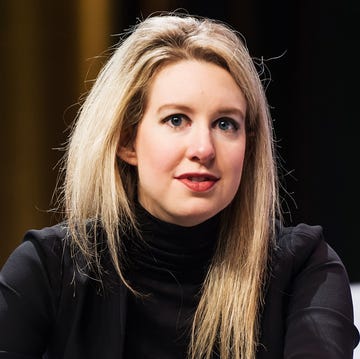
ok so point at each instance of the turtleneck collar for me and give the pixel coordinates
(168, 249)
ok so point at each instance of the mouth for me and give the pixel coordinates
(198, 182)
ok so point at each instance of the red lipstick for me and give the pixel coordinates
(198, 182)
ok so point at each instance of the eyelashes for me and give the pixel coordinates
(227, 124)
(179, 121)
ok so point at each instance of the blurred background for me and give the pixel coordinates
(51, 52)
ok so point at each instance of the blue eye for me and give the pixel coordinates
(176, 120)
(226, 124)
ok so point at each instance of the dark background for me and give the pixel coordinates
(51, 52)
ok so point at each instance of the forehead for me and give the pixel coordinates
(190, 81)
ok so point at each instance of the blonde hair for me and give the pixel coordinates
(99, 188)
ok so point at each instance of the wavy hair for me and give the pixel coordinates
(100, 189)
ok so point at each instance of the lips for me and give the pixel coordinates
(198, 182)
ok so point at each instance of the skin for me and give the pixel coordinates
(190, 144)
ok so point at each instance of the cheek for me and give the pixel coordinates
(235, 162)
(155, 157)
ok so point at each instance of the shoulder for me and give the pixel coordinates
(39, 259)
(302, 245)
(313, 282)
(301, 238)
(31, 283)
(41, 244)
(50, 245)
(48, 238)
(307, 270)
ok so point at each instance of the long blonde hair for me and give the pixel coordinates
(99, 188)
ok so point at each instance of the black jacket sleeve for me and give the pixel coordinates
(28, 289)
(319, 315)
(50, 309)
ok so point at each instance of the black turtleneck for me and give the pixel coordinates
(167, 265)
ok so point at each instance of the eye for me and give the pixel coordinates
(177, 120)
(227, 124)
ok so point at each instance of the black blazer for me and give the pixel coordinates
(49, 310)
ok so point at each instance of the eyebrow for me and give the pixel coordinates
(226, 111)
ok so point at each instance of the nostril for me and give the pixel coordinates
(201, 147)
(203, 157)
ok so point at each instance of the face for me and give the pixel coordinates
(190, 144)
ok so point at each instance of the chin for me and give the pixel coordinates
(193, 218)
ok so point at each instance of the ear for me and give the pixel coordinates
(127, 154)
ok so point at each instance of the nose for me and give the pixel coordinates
(201, 146)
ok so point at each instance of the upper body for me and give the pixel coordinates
(178, 122)
(59, 312)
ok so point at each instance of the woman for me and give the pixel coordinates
(172, 244)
